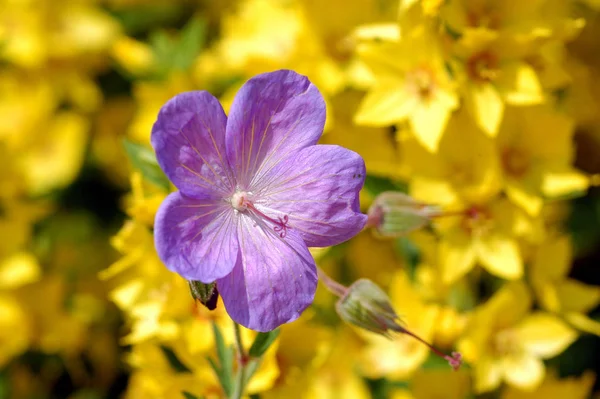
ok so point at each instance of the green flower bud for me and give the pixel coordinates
(206, 294)
(367, 306)
(395, 214)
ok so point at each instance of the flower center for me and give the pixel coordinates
(421, 82)
(241, 202)
(483, 67)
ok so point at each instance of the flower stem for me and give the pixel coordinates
(333, 286)
(238, 389)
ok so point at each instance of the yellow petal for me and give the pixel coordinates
(488, 374)
(487, 106)
(432, 191)
(18, 269)
(578, 297)
(583, 323)
(384, 106)
(564, 181)
(553, 259)
(525, 86)
(378, 31)
(544, 335)
(500, 256)
(527, 199)
(428, 121)
(523, 371)
(547, 295)
(457, 256)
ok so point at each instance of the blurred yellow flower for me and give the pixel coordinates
(555, 388)
(556, 292)
(504, 341)
(485, 235)
(534, 167)
(458, 171)
(410, 85)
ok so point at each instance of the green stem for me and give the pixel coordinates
(238, 390)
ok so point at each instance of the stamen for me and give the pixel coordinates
(281, 224)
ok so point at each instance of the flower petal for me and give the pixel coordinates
(272, 115)
(544, 335)
(196, 238)
(523, 371)
(273, 281)
(189, 140)
(317, 189)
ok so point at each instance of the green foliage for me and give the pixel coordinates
(263, 342)
(143, 159)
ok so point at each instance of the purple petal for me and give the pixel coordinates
(196, 238)
(273, 281)
(272, 115)
(317, 188)
(189, 140)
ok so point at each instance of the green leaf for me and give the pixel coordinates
(262, 342)
(143, 159)
(174, 361)
(188, 395)
(140, 18)
(178, 53)
(376, 185)
(225, 355)
(190, 43)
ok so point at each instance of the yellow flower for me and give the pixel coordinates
(503, 341)
(492, 75)
(458, 171)
(56, 158)
(134, 56)
(534, 166)
(337, 376)
(37, 34)
(410, 85)
(485, 235)
(558, 293)
(299, 358)
(511, 17)
(555, 388)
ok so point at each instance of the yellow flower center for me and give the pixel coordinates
(477, 221)
(487, 17)
(504, 343)
(421, 81)
(515, 161)
(483, 67)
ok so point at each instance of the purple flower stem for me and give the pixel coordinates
(333, 286)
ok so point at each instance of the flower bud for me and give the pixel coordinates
(206, 294)
(395, 214)
(367, 306)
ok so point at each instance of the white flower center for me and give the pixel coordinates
(239, 201)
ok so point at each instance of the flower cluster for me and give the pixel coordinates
(437, 158)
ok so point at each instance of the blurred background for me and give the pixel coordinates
(488, 108)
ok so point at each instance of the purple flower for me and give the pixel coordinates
(255, 191)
